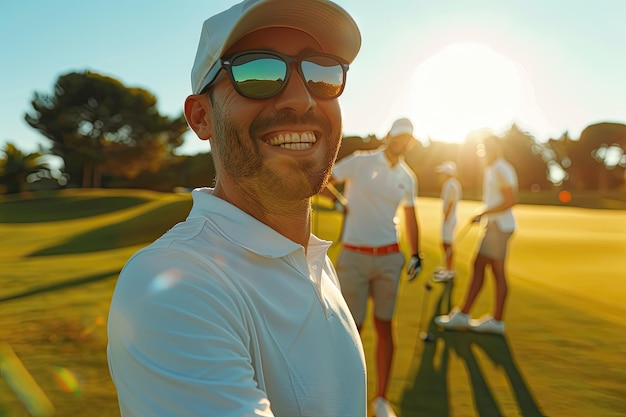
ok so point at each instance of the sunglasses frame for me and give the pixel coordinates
(226, 63)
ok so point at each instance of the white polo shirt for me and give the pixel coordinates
(222, 316)
(499, 174)
(374, 191)
(451, 193)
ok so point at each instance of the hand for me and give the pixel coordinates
(340, 207)
(415, 266)
(476, 218)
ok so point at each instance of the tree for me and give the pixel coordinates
(526, 155)
(16, 167)
(597, 158)
(557, 156)
(101, 127)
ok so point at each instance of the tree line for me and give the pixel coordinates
(110, 135)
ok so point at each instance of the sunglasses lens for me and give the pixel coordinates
(263, 75)
(258, 75)
(324, 76)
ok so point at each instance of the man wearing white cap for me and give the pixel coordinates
(451, 194)
(237, 311)
(370, 262)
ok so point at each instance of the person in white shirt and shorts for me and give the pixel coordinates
(500, 188)
(451, 194)
(370, 263)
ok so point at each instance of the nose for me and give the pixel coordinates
(295, 95)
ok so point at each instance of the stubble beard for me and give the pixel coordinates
(241, 159)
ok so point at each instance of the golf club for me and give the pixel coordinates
(334, 191)
(422, 334)
(458, 239)
(463, 232)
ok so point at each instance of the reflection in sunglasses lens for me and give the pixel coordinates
(262, 77)
(259, 75)
(324, 77)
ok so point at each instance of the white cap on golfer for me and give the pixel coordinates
(330, 25)
(400, 127)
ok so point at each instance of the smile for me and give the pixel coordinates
(293, 141)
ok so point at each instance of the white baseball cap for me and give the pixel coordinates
(448, 167)
(401, 126)
(329, 24)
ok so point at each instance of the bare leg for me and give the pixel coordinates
(448, 251)
(478, 278)
(384, 354)
(497, 266)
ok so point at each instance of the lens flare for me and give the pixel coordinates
(66, 380)
(165, 280)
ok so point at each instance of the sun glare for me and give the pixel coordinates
(464, 87)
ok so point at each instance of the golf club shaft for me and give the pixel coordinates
(459, 237)
(424, 307)
(334, 191)
(464, 231)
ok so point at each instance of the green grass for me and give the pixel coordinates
(51, 208)
(134, 231)
(564, 353)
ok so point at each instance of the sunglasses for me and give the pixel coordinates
(260, 74)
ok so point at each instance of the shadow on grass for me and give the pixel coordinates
(429, 395)
(51, 209)
(136, 231)
(59, 286)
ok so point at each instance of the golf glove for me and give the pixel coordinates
(415, 266)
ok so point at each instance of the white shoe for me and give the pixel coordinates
(443, 275)
(382, 408)
(454, 320)
(487, 324)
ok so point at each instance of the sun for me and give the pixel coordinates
(464, 87)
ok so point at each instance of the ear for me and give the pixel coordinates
(198, 115)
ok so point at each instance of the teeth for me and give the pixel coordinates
(294, 141)
(296, 146)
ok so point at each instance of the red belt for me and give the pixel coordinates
(374, 250)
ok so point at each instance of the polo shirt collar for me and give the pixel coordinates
(242, 229)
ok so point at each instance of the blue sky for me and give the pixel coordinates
(449, 65)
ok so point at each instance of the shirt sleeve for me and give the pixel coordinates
(445, 192)
(411, 188)
(178, 348)
(345, 167)
(507, 176)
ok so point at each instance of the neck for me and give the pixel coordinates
(291, 219)
(392, 157)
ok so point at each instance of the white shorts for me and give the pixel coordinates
(363, 276)
(447, 232)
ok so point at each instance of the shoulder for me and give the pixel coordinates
(368, 154)
(505, 167)
(167, 287)
(358, 160)
(355, 157)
